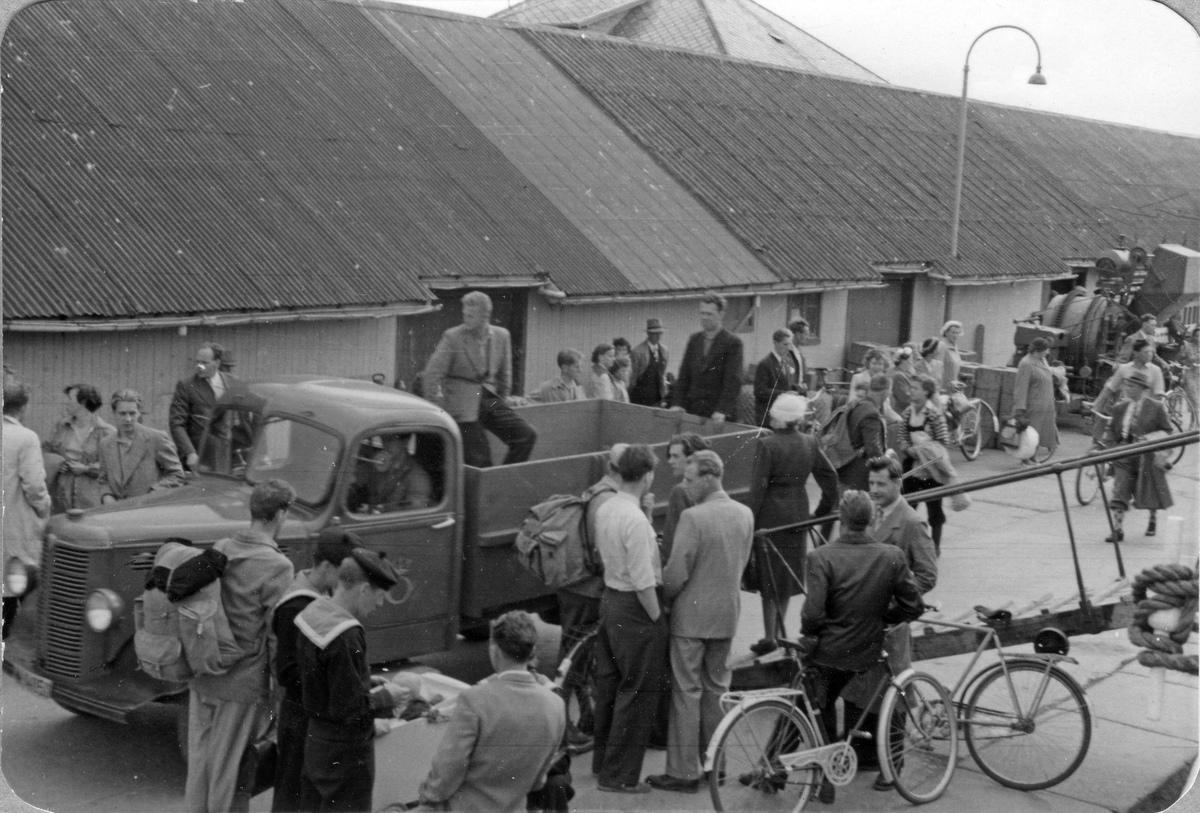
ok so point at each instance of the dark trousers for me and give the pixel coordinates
(578, 614)
(338, 777)
(291, 728)
(496, 417)
(632, 677)
(937, 515)
(825, 684)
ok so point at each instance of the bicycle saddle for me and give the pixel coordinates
(993, 615)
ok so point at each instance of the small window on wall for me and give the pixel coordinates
(397, 472)
(808, 308)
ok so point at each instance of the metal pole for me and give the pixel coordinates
(962, 154)
(1108, 515)
(1083, 600)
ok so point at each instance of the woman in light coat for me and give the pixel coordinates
(1033, 395)
(76, 440)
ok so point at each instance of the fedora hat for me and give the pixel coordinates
(654, 326)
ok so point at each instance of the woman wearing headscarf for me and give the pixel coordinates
(902, 377)
(929, 364)
(783, 462)
(1033, 395)
(76, 440)
(948, 353)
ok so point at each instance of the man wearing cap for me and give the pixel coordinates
(702, 583)
(193, 402)
(776, 372)
(648, 376)
(710, 375)
(333, 546)
(341, 697)
(856, 586)
(227, 712)
(1137, 481)
(505, 731)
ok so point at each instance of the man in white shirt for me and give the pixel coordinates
(631, 647)
(1111, 395)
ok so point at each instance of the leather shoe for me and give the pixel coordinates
(827, 794)
(1152, 528)
(664, 781)
(640, 787)
(1116, 536)
(764, 647)
(882, 784)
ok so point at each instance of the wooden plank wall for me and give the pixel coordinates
(151, 361)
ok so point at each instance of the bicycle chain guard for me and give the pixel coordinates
(841, 765)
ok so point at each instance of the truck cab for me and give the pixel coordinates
(328, 438)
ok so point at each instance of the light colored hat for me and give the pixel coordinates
(950, 324)
(789, 408)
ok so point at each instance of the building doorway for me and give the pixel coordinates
(880, 315)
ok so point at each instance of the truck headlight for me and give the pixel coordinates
(102, 609)
(16, 578)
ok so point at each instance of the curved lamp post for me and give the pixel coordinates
(1036, 79)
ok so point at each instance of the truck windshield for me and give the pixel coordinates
(303, 455)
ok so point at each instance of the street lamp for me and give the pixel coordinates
(1036, 79)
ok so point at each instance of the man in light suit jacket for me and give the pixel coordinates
(710, 375)
(702, 581)
(137, 459)
(469, 375)
(776, 373)
(505, 732)
(26, 499)
(193, 401)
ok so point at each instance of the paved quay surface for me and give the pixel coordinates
(1011, 545)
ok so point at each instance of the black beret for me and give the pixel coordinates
(379, 571)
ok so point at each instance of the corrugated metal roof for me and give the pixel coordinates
(738, 28)
(647, 223)
(1146, 183)
(822, 176)
(165, 158)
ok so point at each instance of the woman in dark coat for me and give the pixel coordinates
(783, 462)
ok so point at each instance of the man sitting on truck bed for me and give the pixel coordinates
(470, 375)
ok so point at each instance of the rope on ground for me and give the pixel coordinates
(1165, 587)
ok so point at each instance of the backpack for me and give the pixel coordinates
(834, 438)
(178, 640)
(553, 541)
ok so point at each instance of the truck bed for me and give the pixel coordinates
(572, 446)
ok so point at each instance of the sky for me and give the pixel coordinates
(1129, 61)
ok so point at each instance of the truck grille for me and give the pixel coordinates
(63, 596)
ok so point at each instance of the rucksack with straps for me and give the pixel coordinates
(181, 630)
(553, 542)
(834, 437)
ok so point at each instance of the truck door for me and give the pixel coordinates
(402, 500)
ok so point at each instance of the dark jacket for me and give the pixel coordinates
(770, 379)
(648, 380)
(710, 383)
(865, 425)
(191, 406)
(855, 587)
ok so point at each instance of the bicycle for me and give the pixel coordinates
(1027, 724)
(770, 743)
(1181, 409)
(1089, 478)
(967, 419)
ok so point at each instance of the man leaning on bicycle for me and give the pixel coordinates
(856, 587)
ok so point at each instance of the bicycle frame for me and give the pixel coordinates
(991, 639)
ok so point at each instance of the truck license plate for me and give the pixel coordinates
(34, 682)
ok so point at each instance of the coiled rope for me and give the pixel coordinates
(1173, 587)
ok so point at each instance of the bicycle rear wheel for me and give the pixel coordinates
(1039, 747)
(1182, 414)
(918, 737)
(747, 773)
(970, 433)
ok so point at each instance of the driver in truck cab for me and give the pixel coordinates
(390, 480)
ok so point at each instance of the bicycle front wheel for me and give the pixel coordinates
(1182, 414)
(1087, 483)
(918, 737)
(1028, 747)
(747, 772)
(970, 432)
